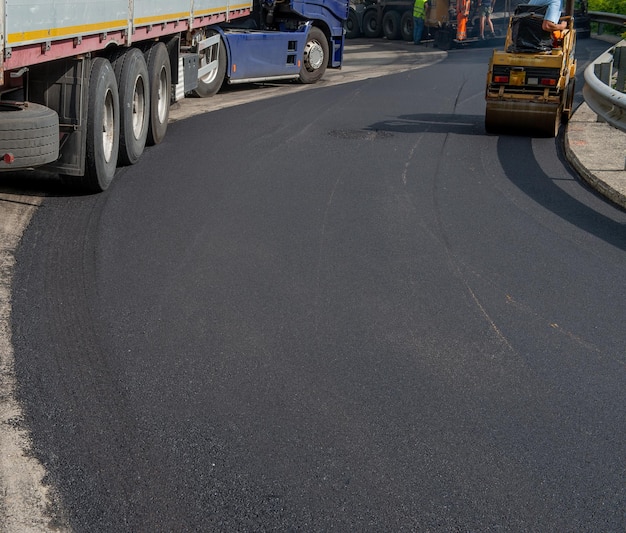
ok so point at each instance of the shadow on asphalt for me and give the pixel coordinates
(433, 123)
(35, 183)
(517, 158)
(521, 167)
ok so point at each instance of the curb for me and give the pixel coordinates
(596, 183)
(597, 152)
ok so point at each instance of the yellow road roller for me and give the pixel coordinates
(530, 84)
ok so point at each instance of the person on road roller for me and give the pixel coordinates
(553, 15)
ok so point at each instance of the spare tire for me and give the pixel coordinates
(29, 133)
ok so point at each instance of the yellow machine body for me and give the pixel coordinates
(530, 93)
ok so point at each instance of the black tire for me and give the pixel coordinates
(391, 25)
(210, 83)
(443, 39)
(160, 76)
(568, 107)
(371, 27)
(352, 25)
(406, 26)
(30, 133)
(133, 85)
(315, 57)
(103, 129)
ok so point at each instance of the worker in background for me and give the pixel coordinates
(553, 15)
(462, 16)
(419, 13)
(485, 8)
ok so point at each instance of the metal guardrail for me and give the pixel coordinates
(612, 19)
(605, 78)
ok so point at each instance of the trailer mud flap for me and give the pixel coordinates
(63, 86)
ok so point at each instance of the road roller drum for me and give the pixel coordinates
(523, 118)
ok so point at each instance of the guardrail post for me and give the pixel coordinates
(604, 71)
(604, 92)
(619, 62)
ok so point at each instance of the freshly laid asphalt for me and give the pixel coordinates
(598, 153)
(596, 150)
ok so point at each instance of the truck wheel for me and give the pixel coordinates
(103, 129)
(210, 83)
(352, 25)
(371, 28)
(391, 25)
(30, 133)
(315, 56)
(406, 26)
(160, 76)
(133, 84)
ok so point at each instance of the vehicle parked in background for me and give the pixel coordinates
(393, 19)
(582, 20)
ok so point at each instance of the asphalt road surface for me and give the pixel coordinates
(340, 309)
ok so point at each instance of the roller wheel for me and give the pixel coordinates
(133, 84)
(569, 101)
(315, 56)
(210, 83)
(391, 25)
(160, 75)
(553, 125)
(492, 125)
(519, 118)
(30, 133)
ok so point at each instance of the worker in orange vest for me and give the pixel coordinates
(462, 14)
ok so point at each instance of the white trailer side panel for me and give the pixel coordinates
(156, 11)
(28, 22)
(48, 20)
(45, 30)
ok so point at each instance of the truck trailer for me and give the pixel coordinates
(85, 85)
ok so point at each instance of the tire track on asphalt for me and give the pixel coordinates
(26, 502)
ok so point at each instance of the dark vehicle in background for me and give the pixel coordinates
(393, 19)
(582, 21)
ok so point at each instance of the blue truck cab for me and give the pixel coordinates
(280, 40)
